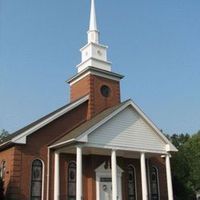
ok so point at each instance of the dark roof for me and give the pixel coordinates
(29, 126)
(88, 124)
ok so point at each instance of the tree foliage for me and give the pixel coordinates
(186, 165)
(3, 133)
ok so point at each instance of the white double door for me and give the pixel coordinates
(104, 183)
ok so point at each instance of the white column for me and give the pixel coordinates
(114, 175)
(56, 176)
(143, 176)
(169, 178)
(79, 173)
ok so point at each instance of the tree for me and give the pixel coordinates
(185, 165)
(3, 133)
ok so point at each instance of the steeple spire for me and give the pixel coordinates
(93, 20)
(93, 33)
(94, 54)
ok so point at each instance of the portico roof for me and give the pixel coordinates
(103, 131)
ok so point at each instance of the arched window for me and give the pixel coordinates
(36, 180)
(72, 181)
(154, 184)
(131, 183)
(3, 169)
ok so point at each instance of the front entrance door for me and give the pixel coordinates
(105, 188)
(104, 182)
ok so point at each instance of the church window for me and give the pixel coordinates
(154, 184)
(72, 181)
(3, 169)
(105, 91)
(131, 183)
(36, 180)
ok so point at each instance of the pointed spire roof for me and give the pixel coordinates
(93, 33)
(93, 54)
(93, 20)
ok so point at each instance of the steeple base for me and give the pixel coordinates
(99, 64)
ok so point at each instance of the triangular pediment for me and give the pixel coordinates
(129, 129)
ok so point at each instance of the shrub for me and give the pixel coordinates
(1, 189)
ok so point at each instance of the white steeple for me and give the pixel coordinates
(93, 53)
(93, 20)
(93, 33)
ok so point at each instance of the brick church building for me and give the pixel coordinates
(94, 148)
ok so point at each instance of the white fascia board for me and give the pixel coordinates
(121, 148)
(21, 139)
(62, 143)
(4, 143)
(170, 146)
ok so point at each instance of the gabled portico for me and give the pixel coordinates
(115, 141)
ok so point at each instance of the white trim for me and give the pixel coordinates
(56, 176)
(124, 148)
(21, 138)
(79, 78)
(109, 147)
(4, 143)
(94, 73)
(48, 166)
(62, 143)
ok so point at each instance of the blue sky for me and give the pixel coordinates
(155, 44)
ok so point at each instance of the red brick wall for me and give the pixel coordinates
(19, 158)
(91, 85)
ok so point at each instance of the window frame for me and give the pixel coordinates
(2, 169)
(135, 179)
(68, 183)
(42, 179)
(157, 180)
